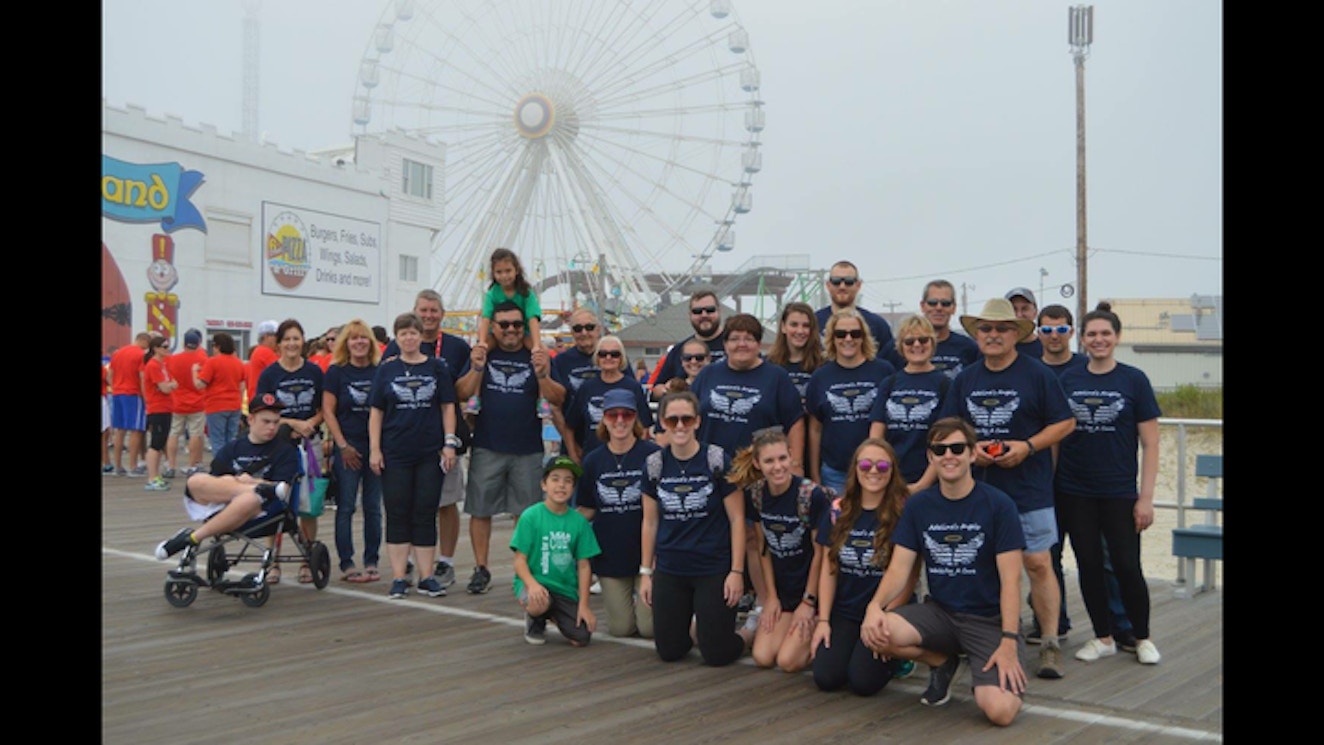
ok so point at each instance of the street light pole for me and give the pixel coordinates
(1080, 35)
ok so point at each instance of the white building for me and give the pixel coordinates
(1175, 341)
(201, 229)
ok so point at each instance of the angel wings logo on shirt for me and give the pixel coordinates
(783, 542)
(856, 556)
(851, 404)
(619, 493)
(735, 404)
(954, 550)
(510, 380)
(358, 394)
(910, 409)
(1094, 413)
(991, 414)
(595, 410)
(296, 398)
(684, 499)
(414, 391)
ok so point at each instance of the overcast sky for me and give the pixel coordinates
(919, 139)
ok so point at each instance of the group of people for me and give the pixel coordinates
(860, 483)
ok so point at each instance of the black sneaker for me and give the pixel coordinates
(445, 573)
(939, 691)
(269, 492)
(535, 630)
(746, 603)
(480, 582)
(1126, 641)
(173, 545)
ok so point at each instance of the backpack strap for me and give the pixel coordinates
(653, 464)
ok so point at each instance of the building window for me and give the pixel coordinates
(408, 268)
(417, 179)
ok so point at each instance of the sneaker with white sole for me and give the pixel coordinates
(1094, 649)
(399, 588)
(939, 691)
(445, 573)
(431, 587)
(1147, 653)
(156, 484)
(595, 588)
(535, 630)
(480, 582)
(182, 540)
(137, 473)
(167, 473)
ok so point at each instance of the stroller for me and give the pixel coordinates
(277, 518)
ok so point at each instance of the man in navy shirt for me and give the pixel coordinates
(1027, 308)
(955, 351)
(571, 367)
(706, 320)
(843, 286)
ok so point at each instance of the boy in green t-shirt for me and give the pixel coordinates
(552, 545)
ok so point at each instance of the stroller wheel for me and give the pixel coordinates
(257, 599)
(217, 565)
(180, 593)
(319, 559)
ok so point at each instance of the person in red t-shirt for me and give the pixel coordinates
(221, 379)
(187, 405)
(157, 387)
(126, 399)
(262, 355)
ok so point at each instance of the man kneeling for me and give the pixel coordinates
(972, 542)
(245, 475)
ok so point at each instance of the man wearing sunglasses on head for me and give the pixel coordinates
(1026, 307)
(1020, 412)
(706, 320)
(843, 286)
(505, 460)
(955, 351)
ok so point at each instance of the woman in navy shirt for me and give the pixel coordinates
(345, 407)
(908, 402)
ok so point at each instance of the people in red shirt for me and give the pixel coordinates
(221, 378)
(127, 413)
(262, 355)
(157, 387)
(188, 414)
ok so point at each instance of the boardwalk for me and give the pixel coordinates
(348, 665)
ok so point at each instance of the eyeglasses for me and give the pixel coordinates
(839, 281)
(881, 466)
(943, 303)
(582, 327)
(675, 420)
(693, 357)
(614, 353)
(702, 309)
(509, 324)
(957, 448)
(852, 333)
(914, 341)
(1001, 328)
(1064, 329)
(620, 415)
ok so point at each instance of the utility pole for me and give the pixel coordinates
(1080, 35)
(965, 301)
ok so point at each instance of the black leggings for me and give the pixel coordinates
(849, 663)
(677, 599)
(1114, 519)
(411, 494)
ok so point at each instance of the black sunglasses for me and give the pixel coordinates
(702, 309)
(852, 333)
(510, 324)
(610, 353)
(911, 341)
(693, 357)
(958, 448)
(943, 303)
(1001, 328)
(848, 281)
(580, 327)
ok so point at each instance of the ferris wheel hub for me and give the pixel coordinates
(534, 115)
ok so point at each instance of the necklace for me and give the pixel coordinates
(620, 457)
(684, 463)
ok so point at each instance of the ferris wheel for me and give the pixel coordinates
(611, 144)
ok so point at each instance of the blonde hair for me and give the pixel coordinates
(356, 327)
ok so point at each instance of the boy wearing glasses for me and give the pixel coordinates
(955, 351)
(1020, 412)
(971, 541)
(843, 286)
(706, 320)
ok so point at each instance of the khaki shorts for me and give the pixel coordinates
(452, 489)
(194, 423)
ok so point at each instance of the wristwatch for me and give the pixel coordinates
(645, 571)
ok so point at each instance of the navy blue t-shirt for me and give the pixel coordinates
(508, 421)
(586, 410)
(352, 386)
(693, 531)
(672, 367)
(410, 397)
(277, 460)
(1014, 403)
(1076, 360)
(789, 540)
(1032, 347)
(1099, 458)
(454, 351)
(735, 404)
(571, 368)
(908, 405)
(613, 486)
(799, 376)
(955, 353)
(841, 399)
(300, 392)
(857, 577)
(959, 541)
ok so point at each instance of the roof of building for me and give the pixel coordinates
(670, 325)
(1197, 320)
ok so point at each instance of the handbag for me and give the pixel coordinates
(316, 482)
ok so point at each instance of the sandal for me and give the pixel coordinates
(273, 575)
(352, 575)
(371, 574)
(305, 574)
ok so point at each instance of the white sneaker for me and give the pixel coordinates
(595, 588)
(1094, 649)
(1147, 653)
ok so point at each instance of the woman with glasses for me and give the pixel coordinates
(908, 402)
(1097, 476)
(840, 395)
(857, 536)
(585, 408)
(610, 495)
(692, 558)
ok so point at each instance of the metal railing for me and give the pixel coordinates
(1184, 463)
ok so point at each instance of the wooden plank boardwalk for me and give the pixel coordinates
(348, 665)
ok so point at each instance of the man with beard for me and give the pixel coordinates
(706, 320)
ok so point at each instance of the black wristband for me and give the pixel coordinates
(1011, 635)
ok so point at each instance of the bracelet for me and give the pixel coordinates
(1011, 635)
(811, 599)
(452, 441)
(824, 620)
(736, 571)
(1030, 445)
(645, 571)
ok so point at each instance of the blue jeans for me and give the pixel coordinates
(349, 481)
(222, 428)
(831, 477)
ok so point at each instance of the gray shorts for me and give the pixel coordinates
(563, 612)
(959, 633)
(1040, 529)
(501, 483)
(452, 489)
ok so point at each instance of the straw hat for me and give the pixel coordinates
(998, 309)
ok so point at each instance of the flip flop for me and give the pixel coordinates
(371, 575)
(305, 574)
(273, 575)
(352, 575)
